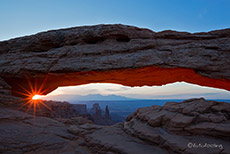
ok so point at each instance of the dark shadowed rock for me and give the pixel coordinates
(107, 115)
(97, 115)
(167, 129)
(80, 108)
(96, 110)
(175, 125)
(54, 109)
(22, 133)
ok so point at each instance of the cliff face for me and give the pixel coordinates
(55, 109)
(80, 108)
(114, 54)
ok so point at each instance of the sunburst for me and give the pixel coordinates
(32, 95)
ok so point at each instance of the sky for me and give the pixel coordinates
(26, 17)
(178, 90)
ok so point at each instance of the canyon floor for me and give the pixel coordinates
(191, 126)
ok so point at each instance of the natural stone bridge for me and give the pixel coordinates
(115, 54)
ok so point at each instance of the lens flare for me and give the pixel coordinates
(32, 98)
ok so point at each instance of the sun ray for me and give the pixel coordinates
(42, 85)
(27, 102)
(35, 103)
(46, 106)
(31, 94)
(29, 107)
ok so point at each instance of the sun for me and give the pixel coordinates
(32, 99)
(35, 97)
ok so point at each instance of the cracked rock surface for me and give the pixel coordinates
(116, 54)
(171, 128)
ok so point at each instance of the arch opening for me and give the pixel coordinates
(144, 76)
(176, 90)
(121, 100)
(35, 83)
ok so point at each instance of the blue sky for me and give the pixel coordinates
(26, 17)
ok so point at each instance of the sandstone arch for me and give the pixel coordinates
(116, 54)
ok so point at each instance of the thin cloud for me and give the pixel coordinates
(175, 90)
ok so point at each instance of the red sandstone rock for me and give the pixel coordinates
(116, 54)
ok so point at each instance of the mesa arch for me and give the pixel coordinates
(115, 54)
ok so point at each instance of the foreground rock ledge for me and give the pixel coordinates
(116, 54)
(172, 128)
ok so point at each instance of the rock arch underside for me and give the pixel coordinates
(116, 54)
(125, 55)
